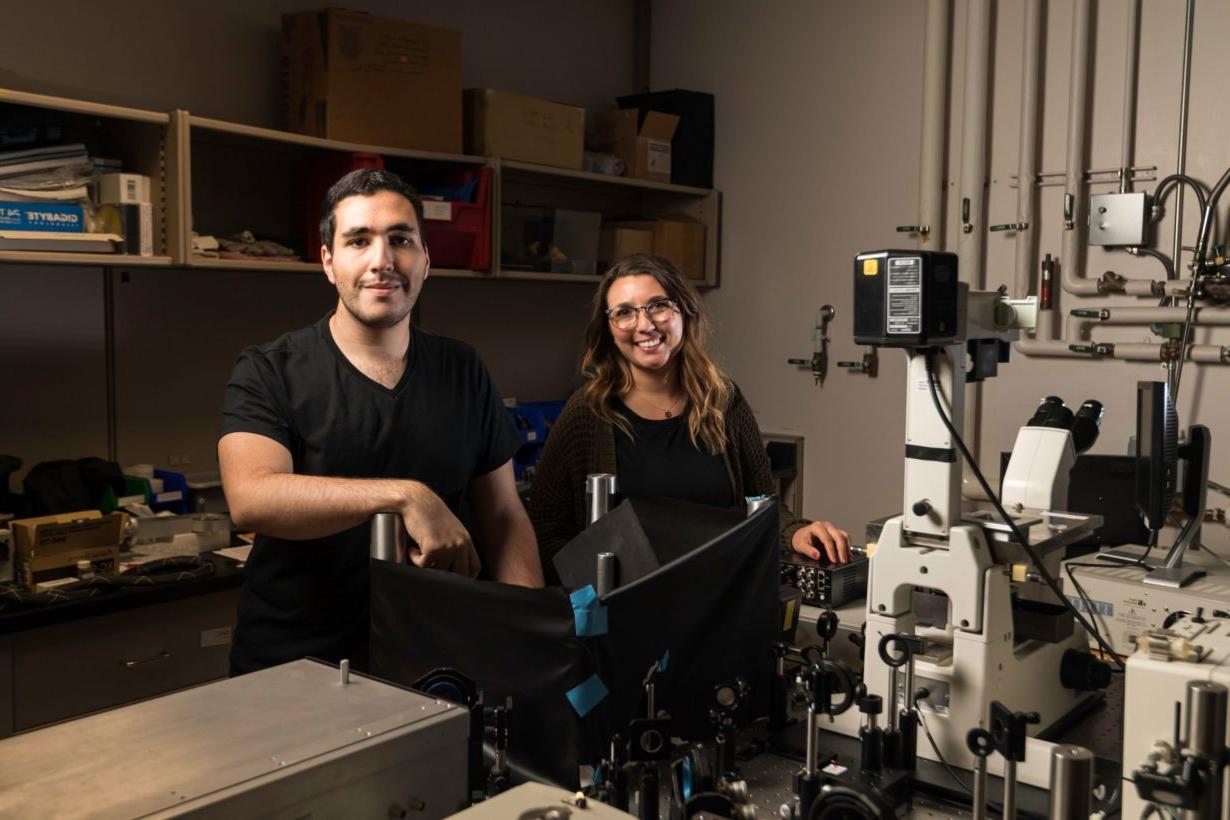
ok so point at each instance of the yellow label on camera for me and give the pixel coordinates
(871, 267)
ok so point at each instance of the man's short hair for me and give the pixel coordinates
(365, 182)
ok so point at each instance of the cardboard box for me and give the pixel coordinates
(643, 143)
(49, 547)
(351, 76)
(679, 239)
(616, 242)
(506, 125)
(692, 147)
(52, 217)
(123, 189)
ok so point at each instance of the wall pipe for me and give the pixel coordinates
(972, 237)
(935, 117)
(1157, 315)
(1027, 162)
(1075, 207)
(1131, 59)
(1185, 92)
(1208, 354)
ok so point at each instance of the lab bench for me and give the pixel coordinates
(67, 659)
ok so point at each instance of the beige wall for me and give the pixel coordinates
(177, 331)
(819, 110)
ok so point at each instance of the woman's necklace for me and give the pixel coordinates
(665, 411)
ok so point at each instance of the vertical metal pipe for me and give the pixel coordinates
(1174, 369)
(970, 241)
(388, 536)
(1075, 206)
(973, 192)
(935, 93)
(1071, 783)
(606, 578)
(1009, 789)
(1185, 93)
(1027, 161)
(599, 487)
(980, 788)
(1206, 736)
(1129, 96)
(812, 753)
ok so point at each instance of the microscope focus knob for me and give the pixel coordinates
(922, 507)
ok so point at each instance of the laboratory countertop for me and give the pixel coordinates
(18, 617)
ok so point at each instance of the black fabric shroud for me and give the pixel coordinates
(512, 641)
(711, 604)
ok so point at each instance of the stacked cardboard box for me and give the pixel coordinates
(352, 76)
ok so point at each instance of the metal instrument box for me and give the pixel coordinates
(287, 742)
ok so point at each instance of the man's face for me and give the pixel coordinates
(378, 261)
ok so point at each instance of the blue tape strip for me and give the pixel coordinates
(666, 659)
(587, 695)
(589, 614)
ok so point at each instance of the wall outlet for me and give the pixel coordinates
(173, 461)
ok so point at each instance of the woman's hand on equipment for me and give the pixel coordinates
(823, 541)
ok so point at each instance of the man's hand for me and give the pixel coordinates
(443, 542)
(822, 540)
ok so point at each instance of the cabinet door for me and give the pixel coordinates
(95, 663)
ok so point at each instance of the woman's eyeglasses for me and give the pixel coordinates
(624, 316)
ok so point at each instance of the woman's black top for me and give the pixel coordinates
(661, 460)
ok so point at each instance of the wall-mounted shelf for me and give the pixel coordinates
(221, 177)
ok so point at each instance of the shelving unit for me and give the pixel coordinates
(140, 139)
(523, 183)
(220, 177)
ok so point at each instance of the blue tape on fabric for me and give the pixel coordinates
(587, 695)
(666, 659)
(588, 612)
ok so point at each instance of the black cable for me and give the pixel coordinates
(1159, 256)
(1008, 520)
(938, 754)
(1084, 596)
(1159, 193)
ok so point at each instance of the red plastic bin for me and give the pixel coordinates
(464, 241)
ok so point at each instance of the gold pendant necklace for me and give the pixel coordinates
(665, 411)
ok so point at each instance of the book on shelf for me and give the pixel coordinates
(72, 193)
(33, 159)
(60, 242)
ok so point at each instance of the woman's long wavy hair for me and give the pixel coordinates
(610, 375)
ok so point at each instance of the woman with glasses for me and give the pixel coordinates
(658, 413)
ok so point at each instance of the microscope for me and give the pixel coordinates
(1007, 634)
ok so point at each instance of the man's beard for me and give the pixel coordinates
(350, 300)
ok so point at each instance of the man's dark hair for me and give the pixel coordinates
(365, 182)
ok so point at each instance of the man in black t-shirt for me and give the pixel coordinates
(358, 414)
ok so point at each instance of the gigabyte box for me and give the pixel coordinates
(42, 216)
(642, 142)
(49, 547)
(123, 189)
(506, 125)
(352, 76)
